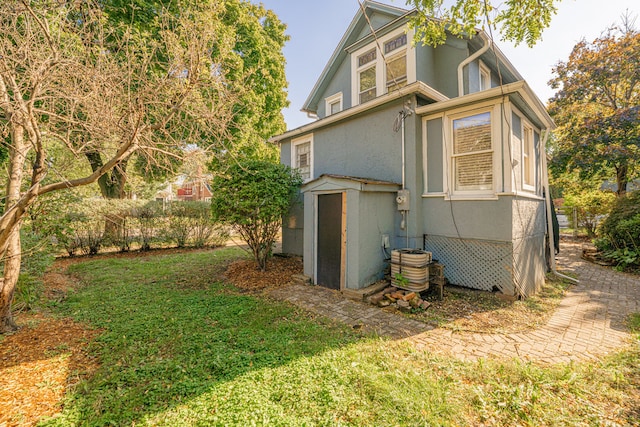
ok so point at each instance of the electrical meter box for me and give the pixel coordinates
(402, 199)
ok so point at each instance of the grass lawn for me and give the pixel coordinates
(177, 346)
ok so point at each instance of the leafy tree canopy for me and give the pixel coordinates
(517, 20)
(597, 108)
(248, 58)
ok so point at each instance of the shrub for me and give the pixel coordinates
(591, 205)
(37, 257)
(148, 219)
(179, 223)
(252, 197)
(621, 232)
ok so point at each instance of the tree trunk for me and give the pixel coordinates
(621, 179)
(12, 260)
(11, 253)
(111, 187)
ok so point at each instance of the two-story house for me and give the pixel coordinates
(419, 147)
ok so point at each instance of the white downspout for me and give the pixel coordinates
(470, 59)
(547, 199)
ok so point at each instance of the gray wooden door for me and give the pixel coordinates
(329, 258)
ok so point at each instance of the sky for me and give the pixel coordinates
(315, 28)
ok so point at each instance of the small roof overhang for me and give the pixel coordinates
(519, 92)
(418, 88)
(329, 182)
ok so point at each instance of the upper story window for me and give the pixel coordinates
(382, 67)
(302, 156)
(367, 76)
(396, 63)
(333, 104)
(472, 158)
(485, 76)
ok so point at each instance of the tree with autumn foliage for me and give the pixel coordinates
(597, 109)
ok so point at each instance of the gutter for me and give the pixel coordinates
(470, 59)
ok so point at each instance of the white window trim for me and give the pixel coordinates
(527, 190)
(448, 172)
(331, 100)
(483, 69)
(294, 158)
(532, 162)
(381, 69)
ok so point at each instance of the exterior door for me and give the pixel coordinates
(329, 238)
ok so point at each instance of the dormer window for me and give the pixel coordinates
(367, 76)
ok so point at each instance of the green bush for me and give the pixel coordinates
(252, 197)
(37, 257)
(591, 205)
(621, 232)
(190, 223)
(148, 218)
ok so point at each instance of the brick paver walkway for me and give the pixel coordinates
(587, 324)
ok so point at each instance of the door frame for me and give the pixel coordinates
(343, 237)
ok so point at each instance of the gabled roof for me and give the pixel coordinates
(358, 24)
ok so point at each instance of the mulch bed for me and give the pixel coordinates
(245, 275)
(38, 364)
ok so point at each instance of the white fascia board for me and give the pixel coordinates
(413, 88)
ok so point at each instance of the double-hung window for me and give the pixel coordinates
(472, 157)
(301, 155)
(528, 159)
(367, 76)
(396, 62)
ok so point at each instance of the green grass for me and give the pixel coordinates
(179, 347)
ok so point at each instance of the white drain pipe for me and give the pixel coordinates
(470, 59)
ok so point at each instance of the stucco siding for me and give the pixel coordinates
(376, 216)
(447, 57)
(285, 153)
(529, 264)
(365, 146)
(425, 65)
(340, 82)
(471, 219)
